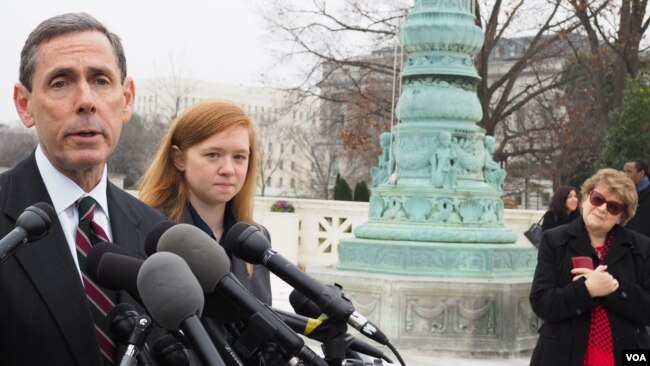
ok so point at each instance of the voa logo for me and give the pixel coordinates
(636, 357)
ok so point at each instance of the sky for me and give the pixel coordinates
(219, 41)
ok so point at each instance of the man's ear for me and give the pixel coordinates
(178, 158)
(23, 105)
(128, 92)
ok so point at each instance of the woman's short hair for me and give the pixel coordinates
(617, 182)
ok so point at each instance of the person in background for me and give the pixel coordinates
(637, 170)
(562, 209)
(591, 315)
(204, 174)
(74, 89)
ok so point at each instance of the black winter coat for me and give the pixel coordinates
(565, 306)
(553, 219)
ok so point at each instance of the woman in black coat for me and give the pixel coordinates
(563, 208)
(590, 315)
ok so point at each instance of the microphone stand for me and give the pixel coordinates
(335, 349)
(336, 352)
(258, 332)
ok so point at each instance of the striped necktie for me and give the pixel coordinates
(101, 301)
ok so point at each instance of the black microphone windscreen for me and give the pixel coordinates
(36, 220)
(153, 237)
(303, 306)
(247, 242)
(49, 211)
(169, 290)
(233, 235)
(97, 252)
(111, 267)
(121, 321)
(207, 259)
(169, 351)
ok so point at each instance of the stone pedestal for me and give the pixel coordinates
(447, 317)
(459, 260)
(434, 266)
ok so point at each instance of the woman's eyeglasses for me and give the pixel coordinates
(613, 208)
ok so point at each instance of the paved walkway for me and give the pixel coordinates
(281, 293)
(419, 360)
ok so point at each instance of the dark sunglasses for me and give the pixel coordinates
(613, 208)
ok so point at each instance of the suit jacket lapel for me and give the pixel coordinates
(49, 265)
(125, 222)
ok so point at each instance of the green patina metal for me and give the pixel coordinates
(436, 207)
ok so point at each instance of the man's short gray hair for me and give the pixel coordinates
(58, 25)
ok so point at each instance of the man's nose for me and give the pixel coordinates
(85, 98)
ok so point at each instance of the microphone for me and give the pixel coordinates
(324, 330)
(110, 266)
(141, 330)
(249, 244)
(168, 351)
(218, 308)
(152, 238)
(132, 329)
(33, 224)
(210, 263)
(121, 320)
(174, 299)
(217, 305)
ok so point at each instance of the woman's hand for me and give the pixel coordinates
(599, 282)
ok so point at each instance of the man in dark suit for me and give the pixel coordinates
(637, 170)
(74, 90)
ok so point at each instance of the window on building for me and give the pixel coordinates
(281, 148)
(280, 164)
(280, 182)
(293, 149)
(270, 147)
(293, 166)
(268, 181)
(293, 183)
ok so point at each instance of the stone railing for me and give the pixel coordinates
(311, 234)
